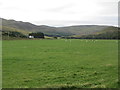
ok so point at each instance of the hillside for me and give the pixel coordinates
(78, 30)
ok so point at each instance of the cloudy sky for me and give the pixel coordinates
(61, 12)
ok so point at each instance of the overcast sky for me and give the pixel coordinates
(61, 12)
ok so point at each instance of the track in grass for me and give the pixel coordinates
(60, 63)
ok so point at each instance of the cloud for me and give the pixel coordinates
(111, 20)
(61, 12)
(59, 8)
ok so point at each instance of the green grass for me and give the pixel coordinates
(60, 64)
(0, 64)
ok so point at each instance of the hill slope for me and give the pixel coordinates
(26, 27)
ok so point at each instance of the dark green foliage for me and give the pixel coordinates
(37, 35)
(13, 34)
(55, 37)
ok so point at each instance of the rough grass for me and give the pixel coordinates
(60, 64)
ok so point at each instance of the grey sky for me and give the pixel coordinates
(61, 12)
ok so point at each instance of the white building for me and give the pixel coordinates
(31, 36)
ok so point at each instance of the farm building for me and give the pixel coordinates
(31, 36)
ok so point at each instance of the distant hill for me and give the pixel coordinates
(76, 31)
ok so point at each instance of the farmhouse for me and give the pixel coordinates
(31, 36)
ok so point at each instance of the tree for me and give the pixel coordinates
(37, 35)
(13, 34)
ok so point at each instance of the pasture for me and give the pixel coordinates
(60, 63)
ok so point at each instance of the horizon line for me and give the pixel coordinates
(62, 25)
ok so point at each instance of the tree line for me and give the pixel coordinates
(21, 35)
(105, 35)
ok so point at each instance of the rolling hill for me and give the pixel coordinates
(78, 30)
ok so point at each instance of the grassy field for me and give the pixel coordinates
(60, 64)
